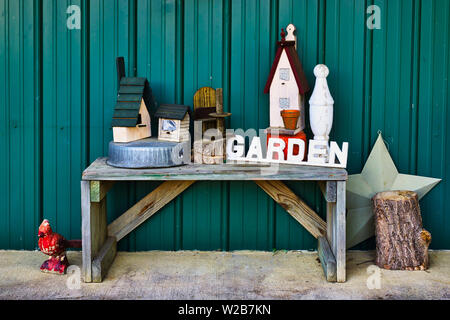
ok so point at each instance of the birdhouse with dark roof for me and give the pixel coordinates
(287, 82)
(173, 123)
(131, 119)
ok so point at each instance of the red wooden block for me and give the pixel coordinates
(285, 138)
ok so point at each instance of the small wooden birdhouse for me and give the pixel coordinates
(287, 82)
(131, 119)
(173, 123)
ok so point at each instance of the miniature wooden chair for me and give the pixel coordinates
(204, 104)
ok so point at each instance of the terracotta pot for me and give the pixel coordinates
(290, 118)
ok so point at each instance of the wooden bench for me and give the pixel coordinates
(100, 240)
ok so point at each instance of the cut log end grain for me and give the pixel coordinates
(401, 242)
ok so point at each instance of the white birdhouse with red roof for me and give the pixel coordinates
(287, 82)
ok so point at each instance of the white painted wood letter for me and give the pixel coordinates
(336, 152)
(235, 151)
(277, 146)
(317, 151)
(255, 151)
(301, 150)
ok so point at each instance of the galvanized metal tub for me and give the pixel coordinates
(148, 153)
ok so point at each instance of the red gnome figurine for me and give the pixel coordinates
(55, 246)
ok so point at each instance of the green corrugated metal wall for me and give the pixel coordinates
(58, 87)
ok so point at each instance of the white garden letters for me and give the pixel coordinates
(319, 152)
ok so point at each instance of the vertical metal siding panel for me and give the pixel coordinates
(188, 55)
(19, 111)
(200, 41)
(61, 108)
(156, 22)
(425, 108)
(250, 108)
(304, 15)
(433, 114)
(31, 110)
(13, 103)
(445, 243)
(63, 119)
(392, 76)
(344, 57)
(167, 239)
(265, 212)
(4, 125)
(216, 189)
(143, 27)
(50, 186)
(76, 126)
(404, 141)
(245, 54)
(415, 86)
(109, 38)
(345, 48)
(202, 66)
(288, 234)
(16, 122)
(379, 74)
(237, 94)
(366, 143)
(182, 46)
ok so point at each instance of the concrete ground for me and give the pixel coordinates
(221, 275)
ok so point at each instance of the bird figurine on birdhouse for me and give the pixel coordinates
(287, 86)
(131, 119)
(54, 245)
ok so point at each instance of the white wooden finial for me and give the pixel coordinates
(321, 94)
(290, 34)
(321, 105)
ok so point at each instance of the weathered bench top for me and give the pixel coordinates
(101, 171)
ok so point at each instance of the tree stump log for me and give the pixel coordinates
(401, 242)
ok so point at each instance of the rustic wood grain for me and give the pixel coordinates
(205, 98)
(331, 209)
(328, 189)
(402, 243)
(86, 230)
(296, 207)
(99, 170)
(177, 179)
(220, 122)
(209, 152)
(104, 259)
(327, 259)
(94, 228)
(99, 189)
(339, 231)
(146, 208)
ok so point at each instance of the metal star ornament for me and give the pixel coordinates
(379, 174)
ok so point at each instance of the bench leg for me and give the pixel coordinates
(326, 246)
(327, 259)
(94, 235)
(339, 230)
